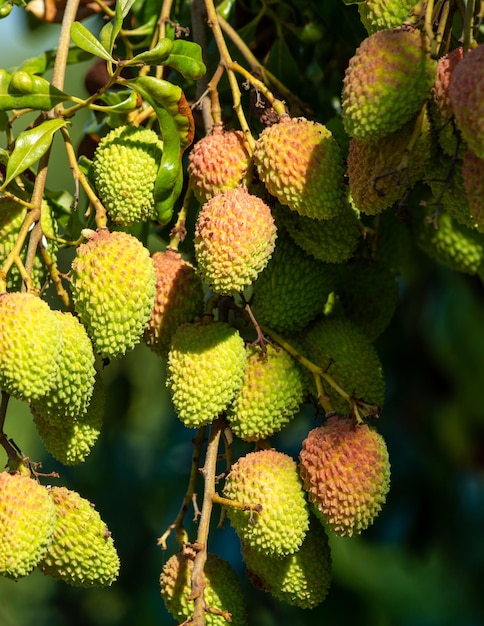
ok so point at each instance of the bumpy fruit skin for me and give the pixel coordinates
(301, 164)
(218, 162)
(179, 299)
(125, 166)
(113, 284)
(345, 469)
(235, 235)
(271, 394)
(383, 14)
(82, 551)
(269, 479)
(204, 371)
(387, 81)
(466, 93)
(27, 518)
(301, 579)
(30, 344)
(473, 181)
(341, 348)
(222, 590)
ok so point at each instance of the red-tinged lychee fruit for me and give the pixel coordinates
(473, 179)
(466, 92)
(345, 469)
(218, 162)
(235, 235)
(386, 82)
(301, 164)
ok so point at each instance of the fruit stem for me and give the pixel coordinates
(467, 25)
(179, 231)
(14, 255)
(56, 278)
(276, 104)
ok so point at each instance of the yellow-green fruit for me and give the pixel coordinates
(222, 590)
(386, 82)
(82, 551)
(330, 241)
(275, 518)
(293, 288)
(218, 162)
(346, 471)
(27, 518)
(235, 235)
(301, 164)
(473, 181)
(382, 14)
(30, 344)
(179, 298)
(466, 91)
(113, 284)
(271, 394)
(340, 347)
(204, 371)
(125, 166)
(301, 579)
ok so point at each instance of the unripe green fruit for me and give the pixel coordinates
(204, 371)
(125, 166)
(275, 518)
(30, 344)
(222, 590)
(27, 518)
(113, 287)
(271, 394)
(218, 162)
(301, 164)
(235, 236)
(346, 471)
(382, 14)
(301, 579)
(82, 551)
(387, 81)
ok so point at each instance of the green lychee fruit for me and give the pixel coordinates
(473, 181)
(222, 590)
(113, 284)
(466, 92)
(270, 512)
(27, 518)
(205, 369)
(235, 235)
(345, 469)
(125, 165)
(30, 345)
(386, 82)
(383, 14)
(301, 579)
(271, 393)
(82, 551)
(218, 162)
(301, 164)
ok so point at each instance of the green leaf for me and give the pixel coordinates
(156, 56)
(84, 39)
(31, 145)
(3, 121)
(111, 30)
(119, 101)
(22, 90)
(186, 58)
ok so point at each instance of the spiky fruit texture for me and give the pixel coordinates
(293, 288)
(330, 241)
(113, 283)
(27, 518)
(466, 93)
(222, 590)
(383, 14)
(179, 298)
(340, 347)
(271, 394)
(30, 344)
(218, 162)
(345, 469)
(205, 368)
(125, 166)
(301, 164)
(235, 235)
(386, 82)
(301, 579)
(473, 181)
(82, 551)
(277, 516)
(383, 171)
(72, 389)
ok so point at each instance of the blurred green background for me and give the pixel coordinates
(421, 564)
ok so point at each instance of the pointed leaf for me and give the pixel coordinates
(186, 58)
(156, 56)
(22, 90)
(84, 39)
